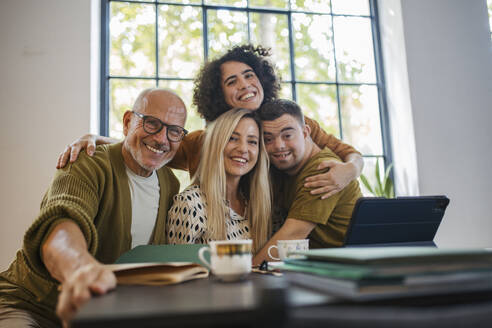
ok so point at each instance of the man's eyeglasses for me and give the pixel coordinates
(153, 125)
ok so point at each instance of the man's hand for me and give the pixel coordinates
(66, 257)
(338, 177)
(87, 142)
(77, 289)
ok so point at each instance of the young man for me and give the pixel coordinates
(294, 156)
(96, 209)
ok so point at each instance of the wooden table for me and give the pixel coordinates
(267, 301)
(260, 300)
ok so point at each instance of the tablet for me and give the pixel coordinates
(401, 221)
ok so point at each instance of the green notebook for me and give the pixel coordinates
(396, 255)
(325, 269)
(162, 253)
(384, 271)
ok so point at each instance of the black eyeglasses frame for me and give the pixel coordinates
(144, 118)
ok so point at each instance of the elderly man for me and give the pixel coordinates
(294, 157)
(95, 210)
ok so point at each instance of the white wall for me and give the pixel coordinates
(448, 91)
(44, 102)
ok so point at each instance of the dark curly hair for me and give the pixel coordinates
(207, 91)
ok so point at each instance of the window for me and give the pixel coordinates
(326, 52)
(489, 6)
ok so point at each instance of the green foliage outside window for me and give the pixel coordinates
(333, 57)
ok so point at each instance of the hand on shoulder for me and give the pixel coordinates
(87, 142)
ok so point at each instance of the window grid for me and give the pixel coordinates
(339, 109)
(489, 10)
(293, 82)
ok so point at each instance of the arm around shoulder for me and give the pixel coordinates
(326, 140)
(340, 174)
(188, 154)
(87, 142)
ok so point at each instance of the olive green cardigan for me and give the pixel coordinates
(94, 193)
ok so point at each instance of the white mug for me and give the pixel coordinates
(284, 247)
(230, 260)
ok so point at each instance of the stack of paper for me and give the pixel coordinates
(388, 272)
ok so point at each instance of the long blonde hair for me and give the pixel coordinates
(255, 185)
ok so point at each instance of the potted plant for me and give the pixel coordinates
(381, 187)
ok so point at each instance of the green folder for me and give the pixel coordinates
(382, 271)
(341, 271)
(163, 253)
(394, 255)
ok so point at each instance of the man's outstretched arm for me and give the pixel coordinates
(65, 255)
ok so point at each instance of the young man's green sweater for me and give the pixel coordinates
(94, 193)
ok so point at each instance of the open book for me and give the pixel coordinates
(157, 273)
(159, 265)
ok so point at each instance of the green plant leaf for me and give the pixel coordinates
(388, 170)
(378, 188)
(366, 183)
(381, 187)
(388, 184)
(388, 188)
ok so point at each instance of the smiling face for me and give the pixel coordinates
(241, 86)
(142, 152)
(241, 151)
(285, 143)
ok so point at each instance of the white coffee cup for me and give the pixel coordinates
(284, 247)
(230, 260)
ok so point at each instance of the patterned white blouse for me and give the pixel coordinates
(187, 220)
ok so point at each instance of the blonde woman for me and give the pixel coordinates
(229, 197)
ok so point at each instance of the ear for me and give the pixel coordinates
(127, 120)
(306, 131)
